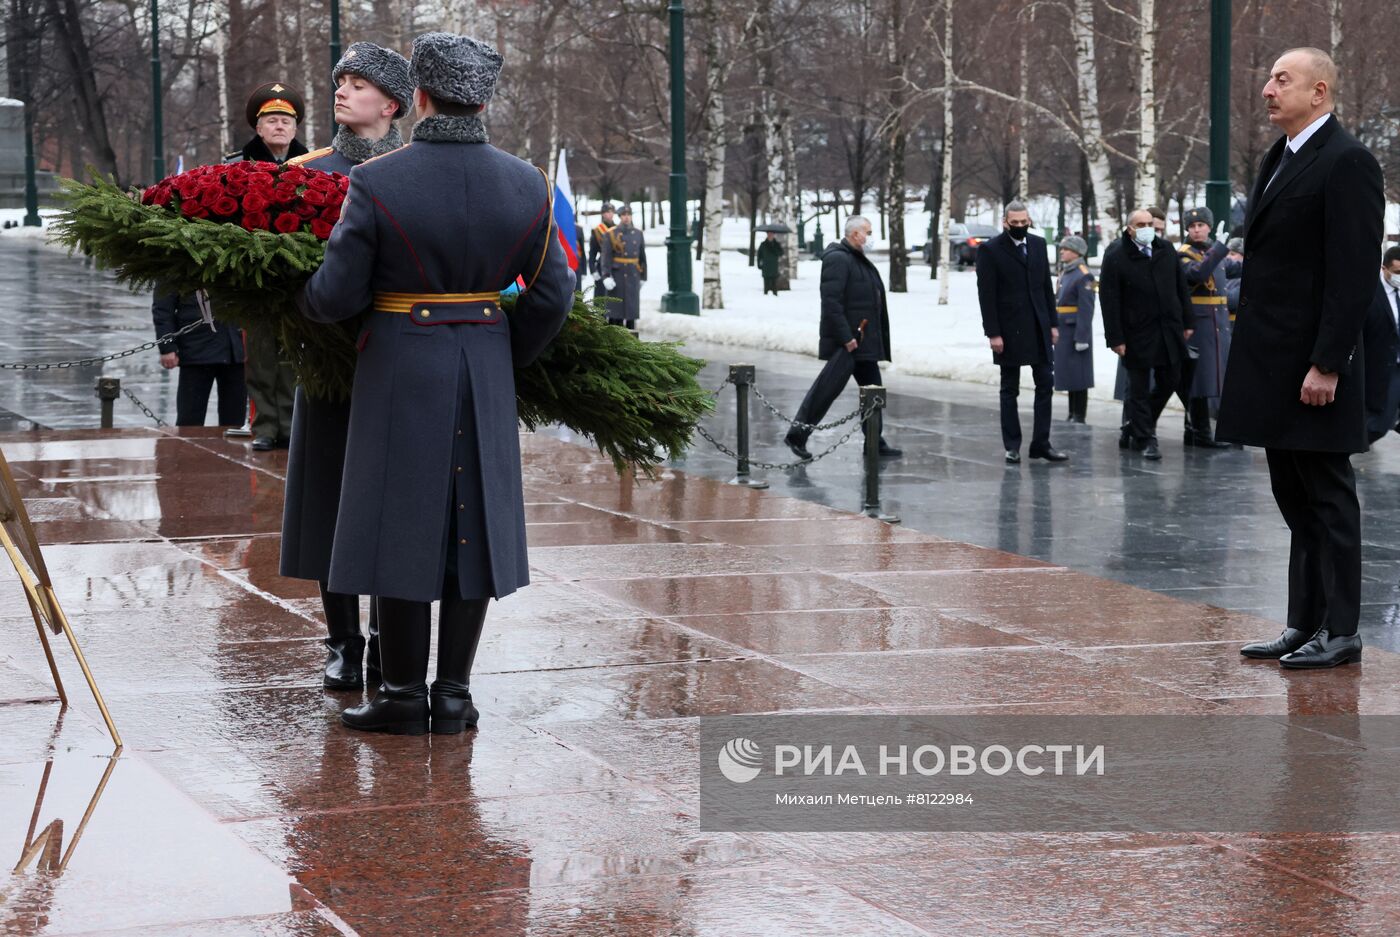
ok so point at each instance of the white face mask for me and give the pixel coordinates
(1144, 236)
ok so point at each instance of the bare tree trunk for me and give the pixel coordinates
(221, 79)
(1090, 122)
(794, 204)
(1023, 163)
(279, 40)
(946, 195)
(1147, 126)
(309, 82)
(715, 146)
(776, 118)
(894, 178)
(1334, 22)
(72, 44)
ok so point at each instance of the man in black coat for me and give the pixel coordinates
(1381, 339)
(204, 358)
(1295, 384)
(1145, 299)
(854, 334)
(1018, 318)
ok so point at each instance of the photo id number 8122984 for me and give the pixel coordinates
(943, 799)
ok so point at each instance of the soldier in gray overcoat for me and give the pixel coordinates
(373, 90)
(624, 261)
(1074, 308)
(431, 505)
(1202, 257)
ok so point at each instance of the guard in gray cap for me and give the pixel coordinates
(372, 91)
(1201, 256)
(1074, 310)
(624, 263)
(600, 233)
(431, 505)
(1234, 273)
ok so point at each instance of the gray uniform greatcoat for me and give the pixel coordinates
(1210, 316)
(433, 429)
(316, 458)
(624, 258)
(1074, 306)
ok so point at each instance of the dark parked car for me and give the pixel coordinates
(963, 241)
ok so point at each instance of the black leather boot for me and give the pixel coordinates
(1199, 430)
(373, 675)
(345, 647)
(460, 622)
(401, 706)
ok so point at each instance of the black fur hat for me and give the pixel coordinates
(455, 68)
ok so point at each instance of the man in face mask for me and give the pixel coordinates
(1018, 309)
(1381, 346)
(1145, 300)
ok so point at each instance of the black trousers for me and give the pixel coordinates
(832, 380)
(770, 284)
(1316, 493)
(192, 394)
(1044, 376)
(1149, 389)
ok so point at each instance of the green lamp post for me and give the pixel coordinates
(1218, 185)
(157, 124)
(679, 296)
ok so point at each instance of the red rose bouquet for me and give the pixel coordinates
(255, 196)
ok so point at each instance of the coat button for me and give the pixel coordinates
(459, 468)
(459, 432)
(463, 540)
(461, 507)
(426, 314)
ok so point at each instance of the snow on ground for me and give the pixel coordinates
(16, 215)
(928, 340)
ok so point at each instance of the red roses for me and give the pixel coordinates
(255, 195)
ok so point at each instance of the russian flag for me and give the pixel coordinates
(564, 211)
(563, 222)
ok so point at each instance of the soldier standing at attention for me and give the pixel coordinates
(1074, 308)
(372, 91)
(624, 261)
(431, 504)
(596, 237)
(1201, 256)
(274, 111)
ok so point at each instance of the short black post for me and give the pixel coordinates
(108, 390)
(872, 404)
(741, 376)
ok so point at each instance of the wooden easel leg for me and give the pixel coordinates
(82, 662)
(48, 649)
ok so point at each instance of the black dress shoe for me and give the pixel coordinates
(264, 443)
(1151, 452)
(391, 713)
(889, 452)
(798, 445)
(284, 442)
(1201, 441)
(1324, 650)
(1013, 457)
(1049, 454)
(1286, 643)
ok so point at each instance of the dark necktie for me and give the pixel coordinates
(1023, 249)
(1283, 161)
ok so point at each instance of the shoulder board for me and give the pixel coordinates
(1083, 268)
(401, 149)
(603, 227)
(307, 157)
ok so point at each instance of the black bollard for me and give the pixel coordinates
(108, 390)
(741, 376)
(872, 404)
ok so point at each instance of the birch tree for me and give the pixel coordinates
(1090, 121)
(775, 115)
(1147, 87)
(946, 192)
(896, 137)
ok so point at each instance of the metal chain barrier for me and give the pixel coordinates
(798, 424)
(784, 466)
(142, 407)
(99, 359)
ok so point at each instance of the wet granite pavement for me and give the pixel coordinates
(240, 806)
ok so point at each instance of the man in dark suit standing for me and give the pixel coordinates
(1145, 299)
(1381, 341)
(1295, 385)
(1018, 309)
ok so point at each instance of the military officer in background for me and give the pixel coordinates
(624, 261)
(1074, 308)
(596, 237)
(274, 112)
(373, 90)
(431, 505)
(1201, 257)
(1234, 272)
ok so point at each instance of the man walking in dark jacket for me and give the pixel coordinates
(1018, 309)
(1145, 300)
(205, 357)
(855, 333)
(1296, 383)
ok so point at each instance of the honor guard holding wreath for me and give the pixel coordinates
(431, 505)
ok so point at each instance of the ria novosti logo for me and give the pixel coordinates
(740, 760)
